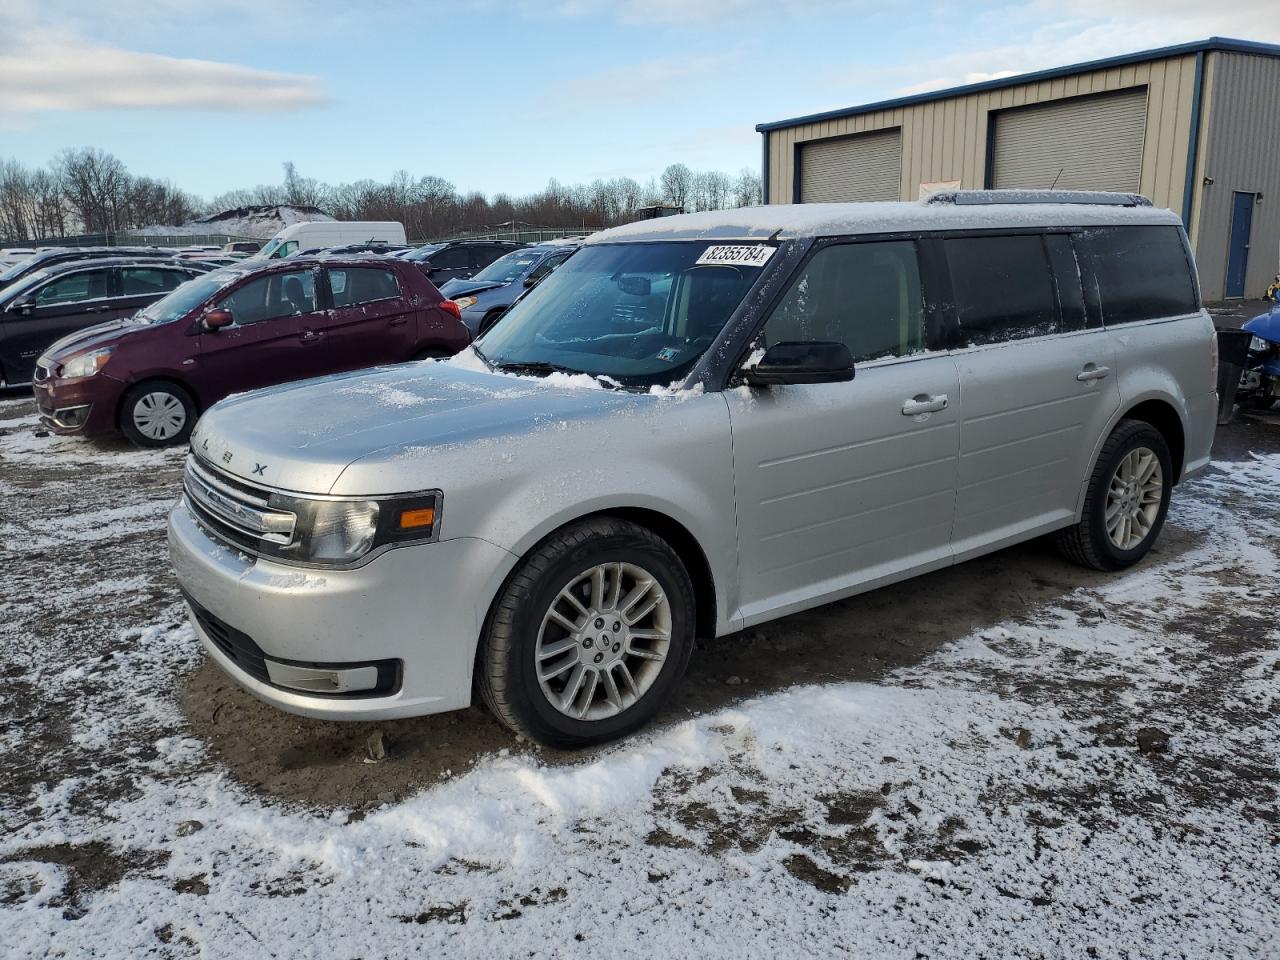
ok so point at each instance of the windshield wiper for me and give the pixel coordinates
(532, 366)
(483, 359)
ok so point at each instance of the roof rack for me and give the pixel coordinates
(967, 198)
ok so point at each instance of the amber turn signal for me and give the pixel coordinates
(417, 518)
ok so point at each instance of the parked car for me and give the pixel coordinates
(796, 404)
(241, 248)
(293, 240)
(47, 258)
(460, 259)
(52, 302)
(236, 329)
(376, 249)
(485, 297)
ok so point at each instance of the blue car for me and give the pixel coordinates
(484, 297)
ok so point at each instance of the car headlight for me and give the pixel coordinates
(465, 302)
(1258, 345)
(87, 364)
(341, 532)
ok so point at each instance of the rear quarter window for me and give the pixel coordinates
(357, 285)
(1138, 273)
(1003, 288)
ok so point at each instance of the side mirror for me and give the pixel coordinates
(217, 319)
(531, 281)
(24, 305)
(634, 286)
(811, 361)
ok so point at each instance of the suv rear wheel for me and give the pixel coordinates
(1127, 500)
(157, 414)
(589, 636)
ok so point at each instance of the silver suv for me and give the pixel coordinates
(695, 425)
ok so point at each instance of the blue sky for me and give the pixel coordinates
(501, 96)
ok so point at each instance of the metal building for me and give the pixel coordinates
(1195, 127)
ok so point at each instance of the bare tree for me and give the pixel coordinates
(677, 184)
(747, 188)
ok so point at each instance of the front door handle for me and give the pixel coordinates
(399, 321)
(924, 403)
(309, 336)
(1092, 371)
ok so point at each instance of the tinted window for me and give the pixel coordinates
(1002, 288)
(356, 285)
(452, 258)
(85, 285)
(546, 266)
(864, 295)
(1066, 279)
(1141, 273)
(275, 295)
(144, 281)
(486, 255)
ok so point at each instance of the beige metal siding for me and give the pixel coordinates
(1087, 143)
(867, 167)
(945, 140)
(1241, 153)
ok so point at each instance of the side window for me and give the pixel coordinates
(864, 295)
(485, 255)
(452, 258)
(1002, 287)
(362, 285)
(85, 285)
(143, 281)
(272, 296)
(1066, 280)
(1141, 273)
(546, 266)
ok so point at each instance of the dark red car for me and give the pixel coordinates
(236, 329)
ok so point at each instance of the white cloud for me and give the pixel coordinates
(45, 69)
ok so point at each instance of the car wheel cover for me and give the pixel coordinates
(159, 415)
(603, 641)
(1133, 498)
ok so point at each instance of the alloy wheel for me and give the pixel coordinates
(1133, 498)
(603, 641)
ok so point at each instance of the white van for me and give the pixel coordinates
(317, 234)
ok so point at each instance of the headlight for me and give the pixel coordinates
(465, 302)
(87, 364)
(340, 532)
(1258, 345)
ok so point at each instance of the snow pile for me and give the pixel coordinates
(260, 222)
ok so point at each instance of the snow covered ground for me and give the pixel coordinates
(1094, 774)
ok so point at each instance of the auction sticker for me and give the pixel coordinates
(756, 255)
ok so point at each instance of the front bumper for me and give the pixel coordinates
(413, 613)
(83, 407)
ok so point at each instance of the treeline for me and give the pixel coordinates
(90, 191)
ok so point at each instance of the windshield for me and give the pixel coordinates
(15, 270)
(187, 297)
(508, 268)
(423, 252)
(33, 279)
(639, 313)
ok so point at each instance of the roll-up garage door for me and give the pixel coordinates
(1087, 143)
(866, 167)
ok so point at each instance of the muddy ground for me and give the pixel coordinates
(1033, 744)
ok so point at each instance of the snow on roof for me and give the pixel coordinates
(834, 219)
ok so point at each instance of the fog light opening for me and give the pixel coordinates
(322, 679)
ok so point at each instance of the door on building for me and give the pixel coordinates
(1082, 143)
(1238, 249)
(863, 167)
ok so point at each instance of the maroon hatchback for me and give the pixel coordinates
(237, 329)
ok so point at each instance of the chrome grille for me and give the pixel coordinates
(241, 514)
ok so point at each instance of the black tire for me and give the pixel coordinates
(151, 388)
(432, 353)
(489, 319)
(1087, 542)
(506, 669)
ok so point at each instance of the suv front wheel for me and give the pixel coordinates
(589, 636)
(1126, 502)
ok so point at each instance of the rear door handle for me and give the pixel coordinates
(924, 403)
(1092, 372)
(399, 321)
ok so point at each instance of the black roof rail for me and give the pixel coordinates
(965, 198)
